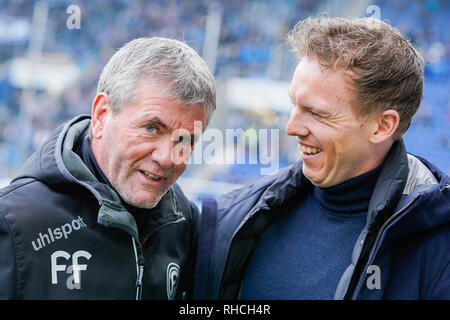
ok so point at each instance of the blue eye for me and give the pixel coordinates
(150, 128)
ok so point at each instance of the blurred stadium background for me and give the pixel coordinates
(48, 72)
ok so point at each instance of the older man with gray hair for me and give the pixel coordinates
(95, 213)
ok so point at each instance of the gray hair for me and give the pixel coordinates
(171, 61)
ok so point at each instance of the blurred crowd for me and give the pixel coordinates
(249, 45)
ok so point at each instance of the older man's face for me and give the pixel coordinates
(136, 146)
(334, 142)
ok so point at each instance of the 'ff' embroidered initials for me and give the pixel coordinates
(76, 267)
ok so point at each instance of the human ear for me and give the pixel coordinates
(100, 109)
(385, 127)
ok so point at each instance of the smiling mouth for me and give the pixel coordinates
(150, 175)
(309, 150)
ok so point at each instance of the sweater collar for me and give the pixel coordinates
(291, 183)
(351, 196)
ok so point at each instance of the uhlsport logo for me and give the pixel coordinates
(73, 281)
(173, 273)
(51, 235)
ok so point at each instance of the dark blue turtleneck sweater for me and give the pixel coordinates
(303, 254)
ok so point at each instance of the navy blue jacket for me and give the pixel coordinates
(403, 252)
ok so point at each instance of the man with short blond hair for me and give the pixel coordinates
(357, 217)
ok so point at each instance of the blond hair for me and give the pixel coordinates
(385, 69)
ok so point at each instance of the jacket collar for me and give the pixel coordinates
(390, 184)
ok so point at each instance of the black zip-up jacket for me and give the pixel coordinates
(64, 235)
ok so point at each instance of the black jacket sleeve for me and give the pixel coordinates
(7, 262)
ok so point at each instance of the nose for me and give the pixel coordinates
(162, 153)
(297, 125)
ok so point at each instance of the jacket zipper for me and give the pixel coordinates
(139, 268)
(139, 258)
(375, 246)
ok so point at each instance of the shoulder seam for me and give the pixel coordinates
(20, 185)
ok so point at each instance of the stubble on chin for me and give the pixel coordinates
(145, 202)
